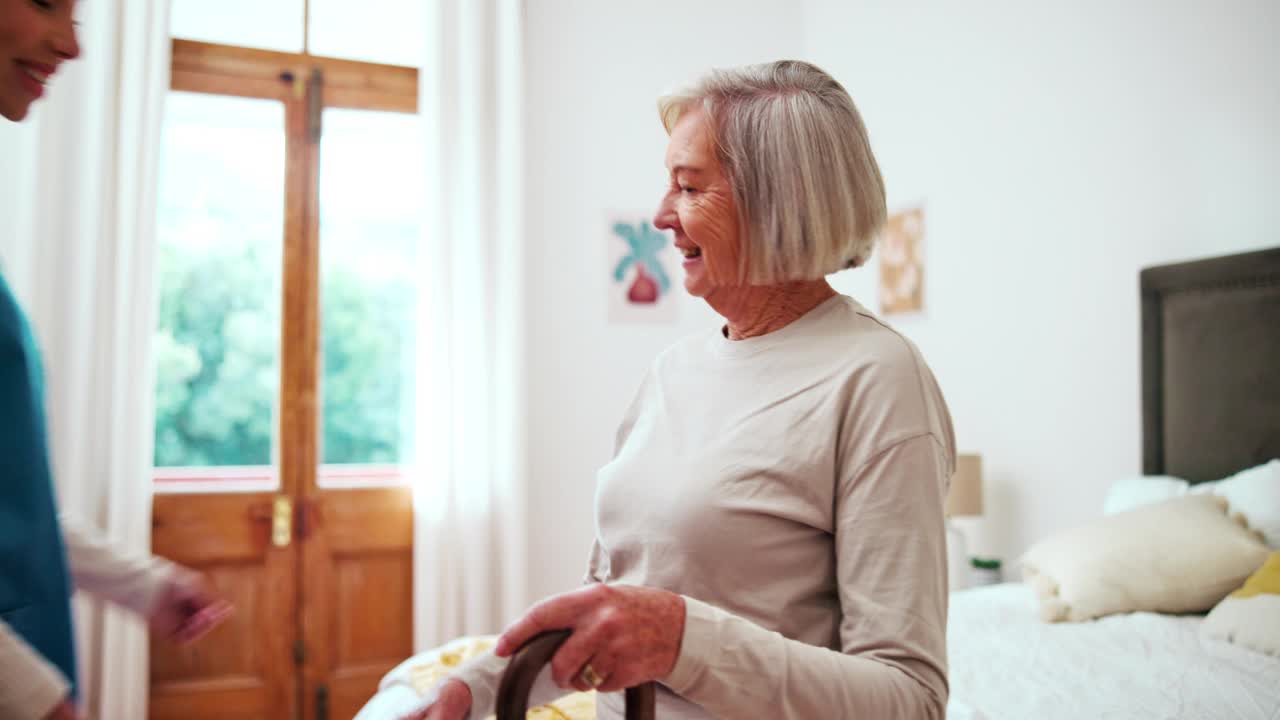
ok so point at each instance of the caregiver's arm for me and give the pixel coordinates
(131, 580)
(178, 603)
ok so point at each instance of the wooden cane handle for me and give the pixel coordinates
(528, 661)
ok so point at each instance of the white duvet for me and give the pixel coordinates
(1008, 665)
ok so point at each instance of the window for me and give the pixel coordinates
(247, 199)
(370, 192)
(221, 219)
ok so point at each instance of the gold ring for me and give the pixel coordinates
(591, 677)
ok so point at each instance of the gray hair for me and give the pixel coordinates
(809, 192)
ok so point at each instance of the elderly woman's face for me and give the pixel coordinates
(35, 37)
(699, 208)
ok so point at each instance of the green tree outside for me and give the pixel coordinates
(216, 361)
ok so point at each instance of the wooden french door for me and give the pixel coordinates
(319, 570)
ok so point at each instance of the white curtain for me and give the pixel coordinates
(79, 250)
(469, 565)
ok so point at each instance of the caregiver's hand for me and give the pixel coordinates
(452, 703)
(187, 608)
(622, 635)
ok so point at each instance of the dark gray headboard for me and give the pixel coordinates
(1211, 365)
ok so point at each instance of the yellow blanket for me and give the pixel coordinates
(578, 706)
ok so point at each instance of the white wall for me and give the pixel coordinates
(1058, 148)
(594, 143)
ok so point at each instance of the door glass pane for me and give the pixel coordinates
(220, 230)
(371, 185)
(391, 32)
(271, 25)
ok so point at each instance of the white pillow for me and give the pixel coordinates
(1135, 492)
(1255, 495)
(1178, 556)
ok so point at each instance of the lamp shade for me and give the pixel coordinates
(965, 496)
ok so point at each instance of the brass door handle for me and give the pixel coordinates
(281, 518)
(282, 521)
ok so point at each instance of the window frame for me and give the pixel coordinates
(306, 85)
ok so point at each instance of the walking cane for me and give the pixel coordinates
(517, 681)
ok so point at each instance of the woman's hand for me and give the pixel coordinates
(452, 703)
(622, 635)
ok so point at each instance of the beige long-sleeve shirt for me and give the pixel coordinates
(30, 687)
(790, 487)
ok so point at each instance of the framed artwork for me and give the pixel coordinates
(902, 263)
(642, 262)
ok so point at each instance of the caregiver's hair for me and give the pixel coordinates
(809, 192)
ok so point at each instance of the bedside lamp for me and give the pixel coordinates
(963, 500)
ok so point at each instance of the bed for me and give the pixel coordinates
(1210, 348)
(1210, 408)
(1006, 663)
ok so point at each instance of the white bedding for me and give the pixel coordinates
(1008, 665)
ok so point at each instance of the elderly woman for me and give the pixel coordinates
(770, 529)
